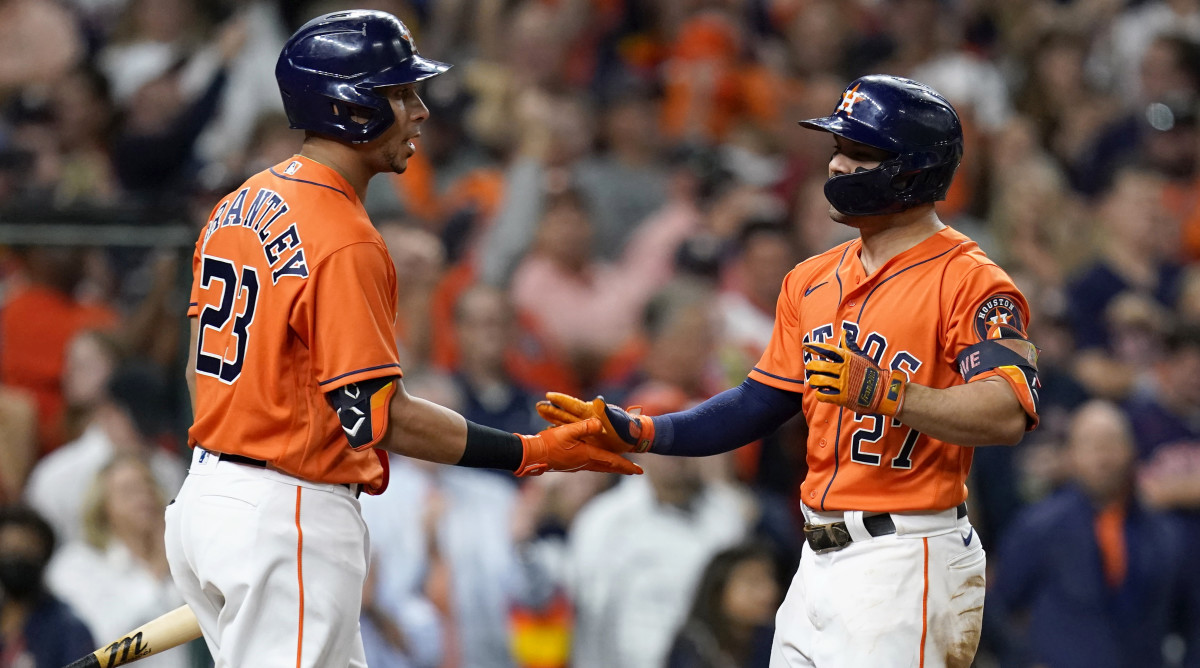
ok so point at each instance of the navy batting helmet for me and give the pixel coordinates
(333, 65)
(911, 121)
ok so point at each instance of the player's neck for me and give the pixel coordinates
(341, 159)
(895, 234)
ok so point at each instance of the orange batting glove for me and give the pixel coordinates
(571, 447)
(846, 376)
(624, 431)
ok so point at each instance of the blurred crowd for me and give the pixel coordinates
(604, 201)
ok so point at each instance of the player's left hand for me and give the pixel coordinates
(844, 375)
(571, 447)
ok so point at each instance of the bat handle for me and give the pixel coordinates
(89, 661)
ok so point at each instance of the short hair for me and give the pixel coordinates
(476, 289)
(140, 389)
(1183, 338)
(667, 304)
(24, 517)
(758, 226)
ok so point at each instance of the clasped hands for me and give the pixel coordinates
(586, 436)
(591, 435)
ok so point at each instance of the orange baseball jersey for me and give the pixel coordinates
(296, 296)
(916, 313)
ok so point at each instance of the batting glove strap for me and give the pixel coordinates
(623, 431)
(635, 429)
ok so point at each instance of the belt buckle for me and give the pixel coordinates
(824, 538)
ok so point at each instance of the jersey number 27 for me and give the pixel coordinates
(216, 317)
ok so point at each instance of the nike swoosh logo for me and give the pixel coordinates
(809, 291)
(967, 540)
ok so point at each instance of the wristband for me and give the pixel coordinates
(489, 448)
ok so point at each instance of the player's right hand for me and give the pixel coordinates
(624, 431)
(571, 447)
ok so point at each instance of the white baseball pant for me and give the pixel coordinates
(273, 566)
(913, 599)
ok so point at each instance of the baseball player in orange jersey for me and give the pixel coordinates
(904, 349)
(293, 369)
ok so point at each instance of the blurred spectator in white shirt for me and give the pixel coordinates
(635, 554)
(441, 534)
(130, 416)
(117, 577)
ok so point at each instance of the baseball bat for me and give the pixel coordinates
(157, 635)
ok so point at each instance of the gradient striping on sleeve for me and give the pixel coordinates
(1024, 386)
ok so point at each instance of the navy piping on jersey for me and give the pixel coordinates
(783, 378)
(837, 459)
(915, 264)
(838, 434)
(837, 273)
(311, 183)
(351, 373)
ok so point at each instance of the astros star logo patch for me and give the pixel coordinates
(849, 99)
(407, 37)
(998, 317)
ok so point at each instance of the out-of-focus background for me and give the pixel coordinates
(605, 200)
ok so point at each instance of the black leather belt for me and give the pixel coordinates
(258, 463)
(835, 536)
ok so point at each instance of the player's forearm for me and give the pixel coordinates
(980, 413)
(424, 430)
(725, 422)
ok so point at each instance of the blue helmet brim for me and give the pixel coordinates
(412, 70)
(835, 124)
(854, 130)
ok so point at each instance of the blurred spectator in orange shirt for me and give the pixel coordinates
(36, 322)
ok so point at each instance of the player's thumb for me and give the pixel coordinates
(849, 342)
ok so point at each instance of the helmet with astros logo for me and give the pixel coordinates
(911, 121)
(330, 70)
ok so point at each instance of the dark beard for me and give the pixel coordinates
(394, 164)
